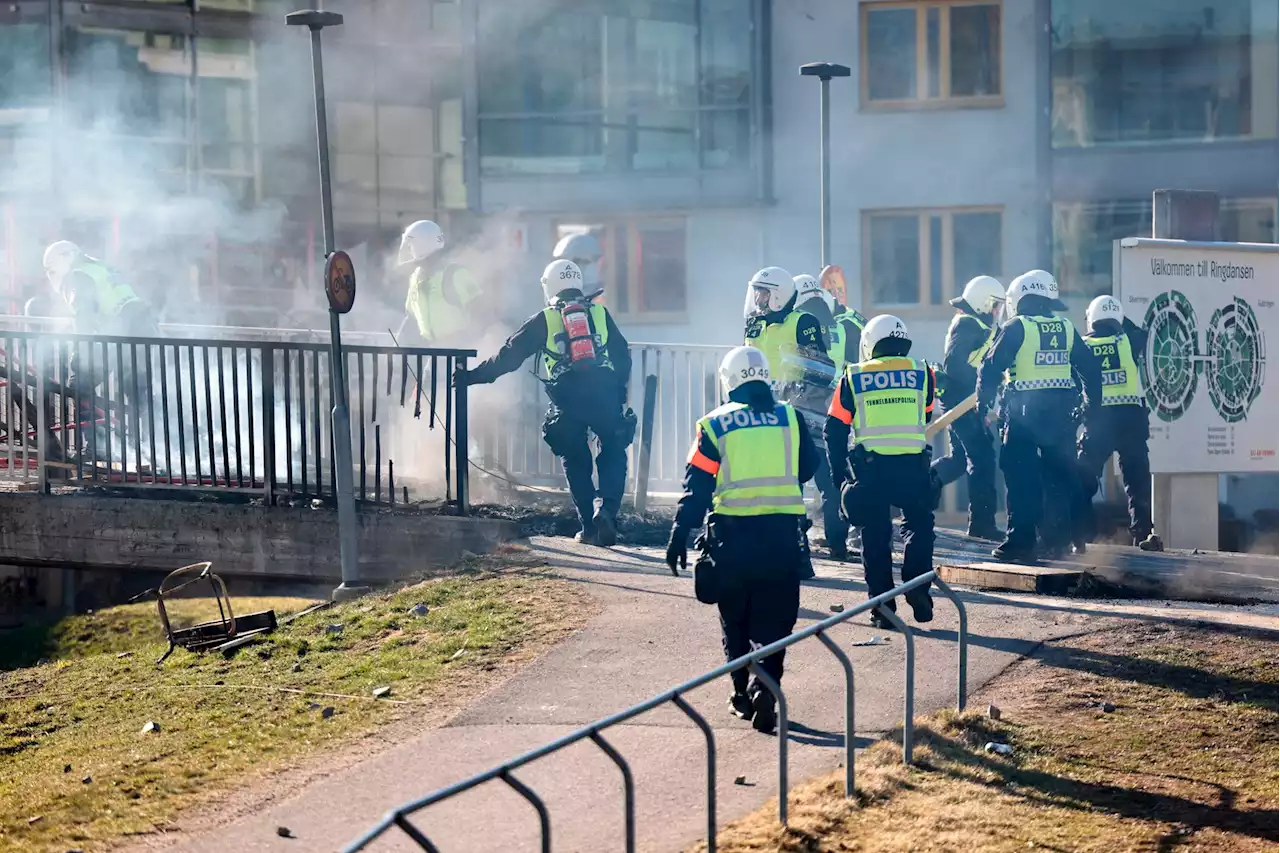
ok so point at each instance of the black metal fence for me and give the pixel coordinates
(400, 816)
(249, 416)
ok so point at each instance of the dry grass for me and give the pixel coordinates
(226, 722)
(1186, 761)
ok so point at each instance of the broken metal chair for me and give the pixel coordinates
(214, 634)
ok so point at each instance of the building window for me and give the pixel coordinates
(643, 271)
(1084, 236)
(607, 87)
(924, 257)
(931, 54)
(1174, 71)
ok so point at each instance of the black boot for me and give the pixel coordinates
(740, 706)
(1008, 553)
(606, 528)
(764, 717)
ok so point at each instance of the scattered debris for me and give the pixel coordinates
(87, 780)
(837, 608)
(326, 713)
(35, 819)
(999, 748)
(1108, 708)
(150, 727)
(379, 692)
(993, 712)
(876, 640)
(66, 768)
(419, 610)
(334, 628)
(314, 706)
(459, 653)
(284, 832)
(316, 503)
(124, 654)
(740, 780)
(297, 667)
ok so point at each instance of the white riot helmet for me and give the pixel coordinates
(742, 365)
(420, 241)
(59, 258)
(983, 294)
(769, 290)
(881, 328)
(558, 277)
(585, 251)
(806, 286)
(1104, 308)
(1033, 283)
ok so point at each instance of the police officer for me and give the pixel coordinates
(747, 465)
(1037, 352)
(886, 399)
(786, 336)
(588, 364)
(1117, 426)
(842, 348)
(101, 301)
(440, 293)
(842, 333)
(968, 338)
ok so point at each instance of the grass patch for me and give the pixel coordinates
(224, 721)
(1186, 760)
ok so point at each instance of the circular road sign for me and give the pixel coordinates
(340, 282)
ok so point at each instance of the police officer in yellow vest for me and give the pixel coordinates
(749, 461)
(883, 403)
(785, 335)
(842, 338)
(1117, 426)
(102, 303)
(842, 333)
(100, 300)
(588, 364)
(968, 338)
(1040, 356)
(440, 293)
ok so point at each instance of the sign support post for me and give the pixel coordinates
(340, 289)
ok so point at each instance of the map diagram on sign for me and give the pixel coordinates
(1233, 361)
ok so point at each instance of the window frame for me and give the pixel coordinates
(943, 101)
(621, 161)
(633, 285)
(923, 216)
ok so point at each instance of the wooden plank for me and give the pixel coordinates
(1013, 576)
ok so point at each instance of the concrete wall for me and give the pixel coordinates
(247, 541)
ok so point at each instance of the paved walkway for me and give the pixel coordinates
(650, 635)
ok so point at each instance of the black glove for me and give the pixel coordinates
(678, 550)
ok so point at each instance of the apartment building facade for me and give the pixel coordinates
(974, 136)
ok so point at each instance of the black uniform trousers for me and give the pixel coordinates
(1037, 458)
(760, 559)
(566, 433)
(834, 527)
(881, 482)
(973, 452)
(1123, 430)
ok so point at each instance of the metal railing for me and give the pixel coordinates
(675, 695)
(242, 415)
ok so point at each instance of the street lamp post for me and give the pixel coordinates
(344, 488)
(824, 71)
